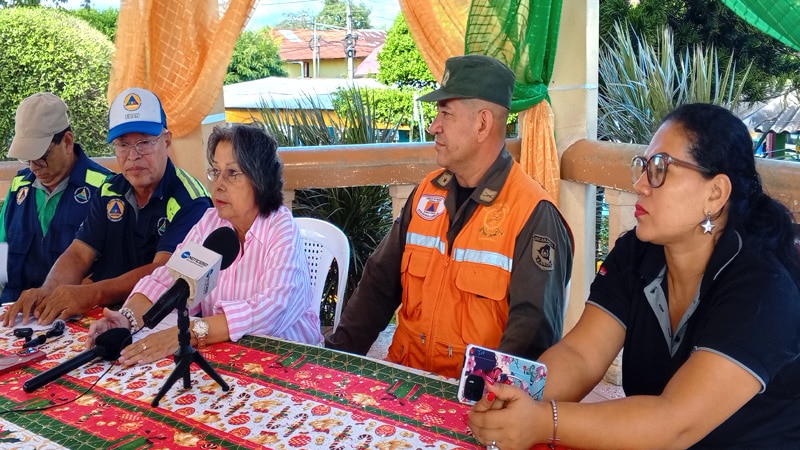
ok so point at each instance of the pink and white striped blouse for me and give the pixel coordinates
(267, 289)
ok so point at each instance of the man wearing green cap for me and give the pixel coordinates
(479, 255)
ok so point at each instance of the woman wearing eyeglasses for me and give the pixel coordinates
(704, 297)
(266, 290)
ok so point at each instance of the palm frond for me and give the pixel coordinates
(642, 82)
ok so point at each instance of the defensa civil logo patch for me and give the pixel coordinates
(162, 226)
(82, 195)
(544, 252)
(430, 206)
(22, 194)
(132, 102)
(115, 209)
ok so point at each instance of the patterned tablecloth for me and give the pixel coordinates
(282, 395)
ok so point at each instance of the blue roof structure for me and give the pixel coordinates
(290, 93)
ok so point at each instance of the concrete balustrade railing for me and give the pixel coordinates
(584, 163)
(608, 164)
(401, 166)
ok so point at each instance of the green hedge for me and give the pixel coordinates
(46, 49)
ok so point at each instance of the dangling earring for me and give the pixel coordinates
(707, 224)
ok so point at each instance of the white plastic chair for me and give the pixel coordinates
(322, 242)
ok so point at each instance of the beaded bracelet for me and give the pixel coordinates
(551, 441)
(128, 314)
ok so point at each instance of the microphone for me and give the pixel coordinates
(107, 346)
(195, 270)
(57, 330)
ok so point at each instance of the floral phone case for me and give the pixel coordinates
(482, 365)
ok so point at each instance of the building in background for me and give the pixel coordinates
(330, 60)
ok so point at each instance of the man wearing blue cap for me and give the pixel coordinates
(479, 255)
(49, 198)
(132, 227)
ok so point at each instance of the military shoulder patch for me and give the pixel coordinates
(544, 251)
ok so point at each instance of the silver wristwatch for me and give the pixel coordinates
(200, 329)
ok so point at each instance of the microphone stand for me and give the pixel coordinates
(185, 356)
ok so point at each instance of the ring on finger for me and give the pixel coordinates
(492, 446)
(144, 346)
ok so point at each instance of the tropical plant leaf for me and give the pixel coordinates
(641, 82)
(364, 213)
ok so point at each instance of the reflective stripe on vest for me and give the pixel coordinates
(94, 178)
(192, 185)
(461, 254)
(18, 182)
(172, 208)
(107, 192)
(432, 242)
(483, 257)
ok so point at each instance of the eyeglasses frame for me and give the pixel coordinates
(669, 159)
(43, 164)
(213, 175)
(149, 143)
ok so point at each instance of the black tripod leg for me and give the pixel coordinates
(198, 358)
(182, 369)
(187, 376)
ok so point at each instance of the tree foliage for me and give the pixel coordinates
(392, 107)
(46, 49)
(335, 13)
(255, 56)
(12, 3)
(400, 60)
(104, 21)
(710, 23)
(298, 20)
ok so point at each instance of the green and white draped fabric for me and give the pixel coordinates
(778, 18)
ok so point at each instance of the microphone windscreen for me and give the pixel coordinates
(111, 342)
(224, 241)
(57, 329)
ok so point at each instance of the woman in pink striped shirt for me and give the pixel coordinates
(266, 290)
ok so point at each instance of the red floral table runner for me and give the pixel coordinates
(282, 395)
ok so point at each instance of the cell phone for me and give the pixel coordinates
(482, 363)
(22, 358)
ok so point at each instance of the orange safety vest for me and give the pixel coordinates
(458, 296)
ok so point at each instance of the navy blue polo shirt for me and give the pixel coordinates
(34, 246)
(126, 237)
(748, 311)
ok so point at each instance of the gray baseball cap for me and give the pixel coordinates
(39, 118)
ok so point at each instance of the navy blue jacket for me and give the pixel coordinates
(31, 255)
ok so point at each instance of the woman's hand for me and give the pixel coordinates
(111, 319)
(508, 417)
(155, 346)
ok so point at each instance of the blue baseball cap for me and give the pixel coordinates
(136, 110)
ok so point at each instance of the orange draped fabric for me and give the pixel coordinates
(179, 49)
(439, 29)
(538, 152)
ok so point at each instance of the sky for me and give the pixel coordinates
(270, 12)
